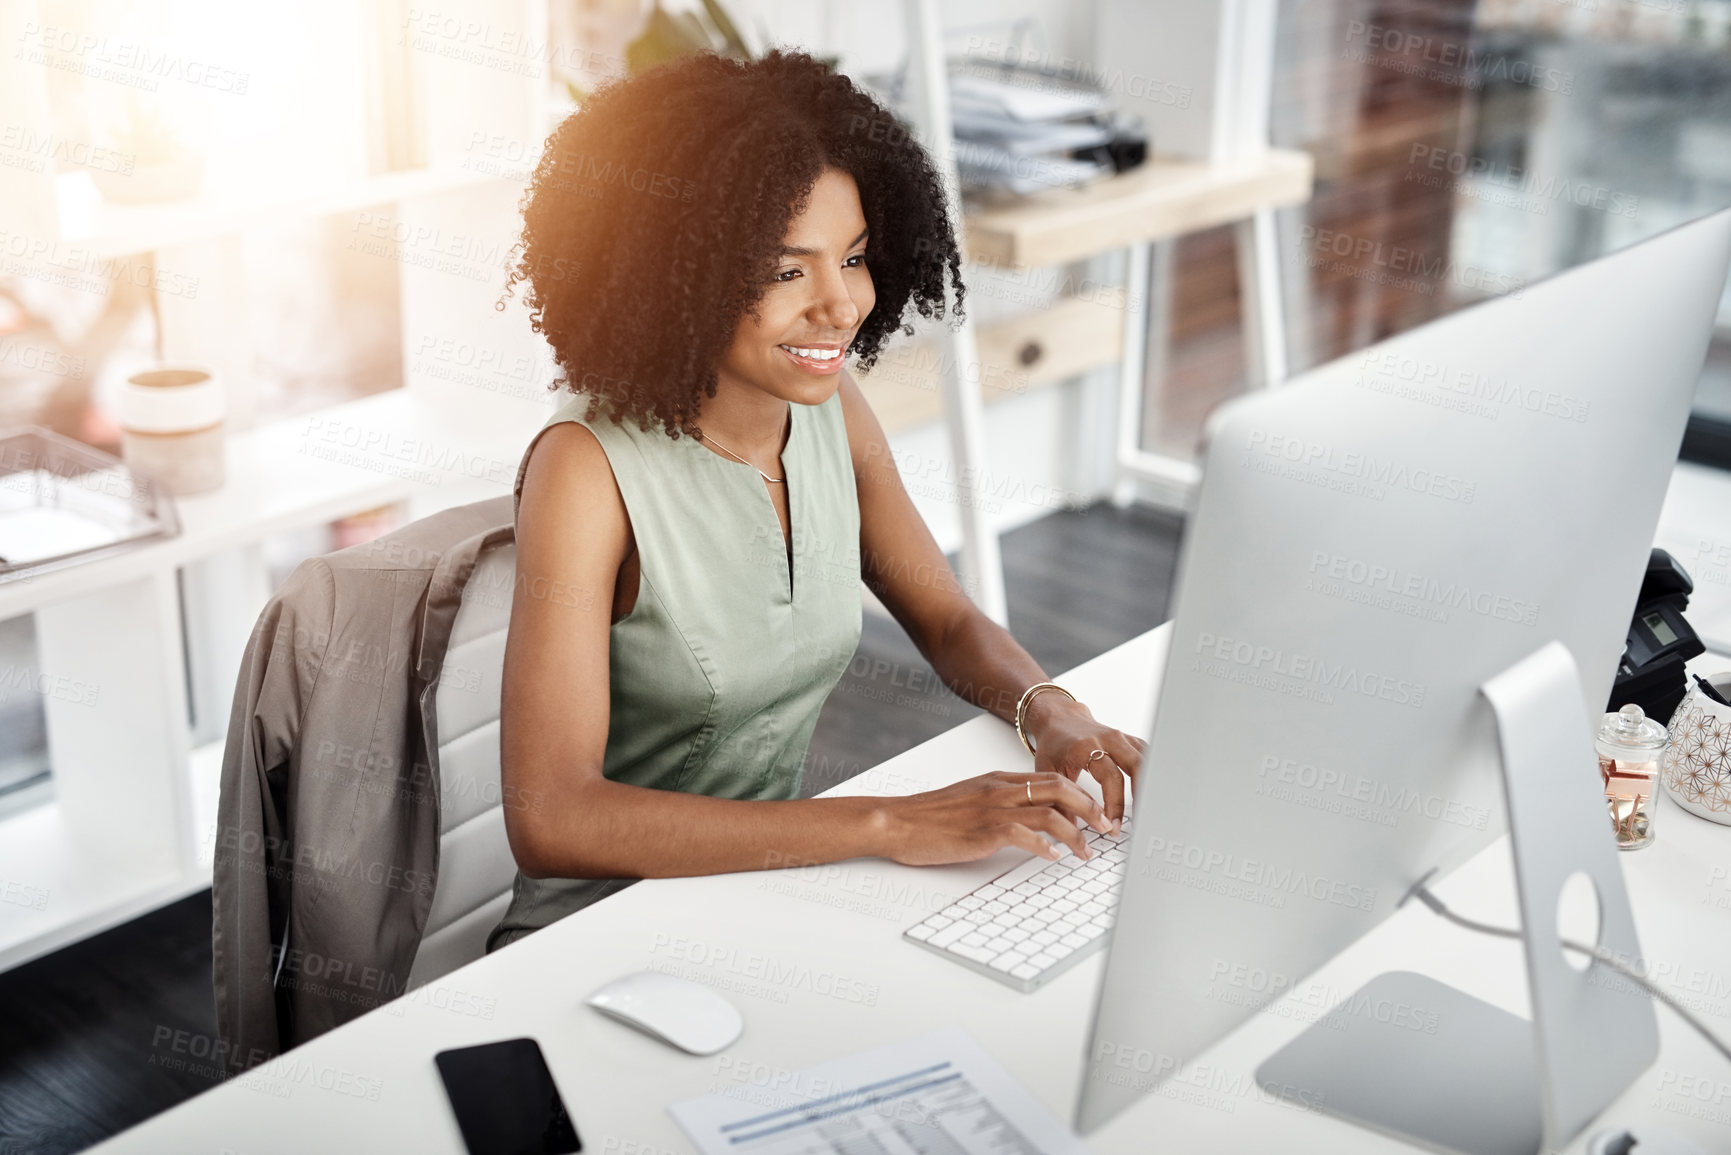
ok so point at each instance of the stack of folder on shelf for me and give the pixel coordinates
(1021, 129)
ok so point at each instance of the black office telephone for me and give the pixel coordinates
(1660, 641)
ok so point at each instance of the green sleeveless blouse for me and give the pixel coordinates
(721, 667)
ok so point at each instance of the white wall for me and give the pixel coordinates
(869, 37)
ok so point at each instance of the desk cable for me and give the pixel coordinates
(1423, 894)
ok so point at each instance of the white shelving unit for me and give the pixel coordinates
(1219, 171)
(159, 631)
(135, 797)
(1155, 202)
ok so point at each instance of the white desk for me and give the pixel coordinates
(813, 959)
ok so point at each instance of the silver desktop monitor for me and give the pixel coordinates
(1370, 544)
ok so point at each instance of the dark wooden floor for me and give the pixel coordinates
(88, 1042)
(87, 1034)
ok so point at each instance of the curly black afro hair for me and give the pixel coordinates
(656, 214)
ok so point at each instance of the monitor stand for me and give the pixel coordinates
(1413, 1058)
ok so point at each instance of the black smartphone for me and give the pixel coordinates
(505, 1100)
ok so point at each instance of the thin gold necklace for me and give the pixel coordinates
(743, 461)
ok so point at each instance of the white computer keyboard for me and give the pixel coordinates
(1034, 921)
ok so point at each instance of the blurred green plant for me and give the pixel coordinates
(670, 35)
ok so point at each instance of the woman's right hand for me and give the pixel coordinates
(976, 817)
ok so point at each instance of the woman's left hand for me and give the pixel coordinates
(1067, 740)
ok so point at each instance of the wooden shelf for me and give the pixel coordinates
(1072, 336)
(1160, 199)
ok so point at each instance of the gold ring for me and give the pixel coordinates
(1094, 755)
(1030, 785)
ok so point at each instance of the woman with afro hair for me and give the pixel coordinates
(704, 246)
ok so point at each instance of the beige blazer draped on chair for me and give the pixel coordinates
(327, 839)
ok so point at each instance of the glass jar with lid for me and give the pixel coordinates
(1630, 745)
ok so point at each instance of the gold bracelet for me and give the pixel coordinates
(1022, 707)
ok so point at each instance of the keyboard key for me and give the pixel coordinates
(1025, 971)
(922, 932)
(975, 939)
(1016, 934)
(1075, 940)
(1044, 937)
(950, 934)
(1043, 960)
(999, 945)
(1060, 950)
(1091, 931)
(971, 902)
(977, 917)
(938, 922)
(1008, 961)
(989, 891)
(996, 906)
(973, 953)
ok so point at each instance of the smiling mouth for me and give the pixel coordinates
(814, 352)
(815, 360)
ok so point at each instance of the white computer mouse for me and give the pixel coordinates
(680, 1013)
(1641, 1140)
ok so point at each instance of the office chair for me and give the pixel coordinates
(476, 869)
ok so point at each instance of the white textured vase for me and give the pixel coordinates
(1697, 764)
(171, 427)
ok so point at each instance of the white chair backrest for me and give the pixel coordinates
(476, 869)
